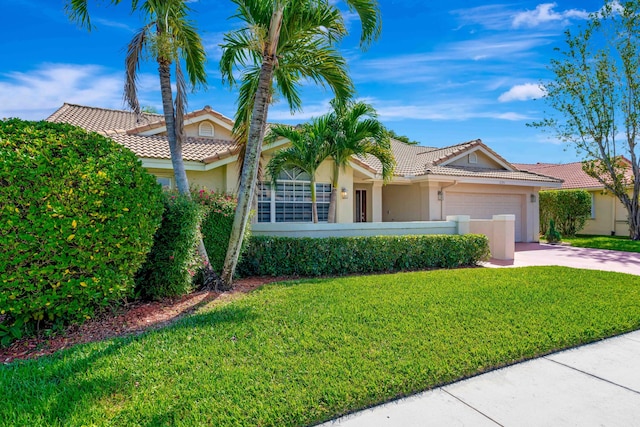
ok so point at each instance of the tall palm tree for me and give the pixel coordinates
(356, 131)
(170, 38)
(307, 151)
(282, 43)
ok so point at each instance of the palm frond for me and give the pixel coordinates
(132, 66)
(78, 11)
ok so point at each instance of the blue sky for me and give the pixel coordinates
(441, 73)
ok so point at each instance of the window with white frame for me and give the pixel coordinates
(165, 181)
(205, 129)
(290, 201)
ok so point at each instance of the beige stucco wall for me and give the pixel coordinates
(610, 215)
(401, 202)
(214, 179)
(483, 161)
(219, 132)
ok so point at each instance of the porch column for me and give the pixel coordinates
(376, 202)
(430, 205)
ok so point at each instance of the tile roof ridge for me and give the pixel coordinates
(69, 104)
(471, 142)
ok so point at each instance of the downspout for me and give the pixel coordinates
(442, 200)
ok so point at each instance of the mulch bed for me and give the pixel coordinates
(132, 318)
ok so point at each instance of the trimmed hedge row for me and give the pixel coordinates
(173, 267)
(569, 209)
(285, 256)
(78, 216)
(173, 260)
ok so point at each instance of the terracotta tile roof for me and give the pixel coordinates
(413, 160)
(204, 150)
(117, 125)
(571, 173)
(100, 120)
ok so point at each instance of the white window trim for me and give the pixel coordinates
(273, 202)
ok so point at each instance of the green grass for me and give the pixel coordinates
(302, 352)
(616, 243)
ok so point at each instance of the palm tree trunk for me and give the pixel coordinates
(333, 201)
(257, 128)
(175, 147)
(314, 204)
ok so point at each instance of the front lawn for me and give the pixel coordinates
(616, 243)
(298, 353)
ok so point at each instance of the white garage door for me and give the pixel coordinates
(484, 206)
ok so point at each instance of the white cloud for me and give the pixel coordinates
(392, 111)
(544, 13)
(522, 92)
(36, 94)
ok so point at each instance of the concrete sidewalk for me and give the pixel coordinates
(593, 385)
(530, 254)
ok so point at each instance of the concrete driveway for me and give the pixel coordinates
(530, 254)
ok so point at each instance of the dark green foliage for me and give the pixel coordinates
(217, 224)
(568, 208)
(78, 217)
(285, 256)
(173, 261)
(552, 235)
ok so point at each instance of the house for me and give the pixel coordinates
(428, 185)
(608, 215)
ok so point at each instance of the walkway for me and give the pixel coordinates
(593, 385)
(529, 254)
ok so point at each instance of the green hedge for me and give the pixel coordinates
(569, 209)
(216, 226)
(276, 256)
(173, 260)
(78, 217)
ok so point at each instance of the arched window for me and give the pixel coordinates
(205, 129)
(291, 200)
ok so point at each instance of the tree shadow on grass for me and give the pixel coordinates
(64, 388)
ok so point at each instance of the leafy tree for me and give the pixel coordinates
(169, 38)
(282, 44)
(569, 209)
(356, 131)
(402, 138)
(307, 151)
(596, 91)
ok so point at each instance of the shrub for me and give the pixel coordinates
(217, 223)
(275, 256)
(552, 234)
(569, 209)
(78, 217)
(173, 260)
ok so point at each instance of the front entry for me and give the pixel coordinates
(361, 206)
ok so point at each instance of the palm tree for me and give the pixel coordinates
(307, 151)
(169, 37)
(282, 43)
(356, 131)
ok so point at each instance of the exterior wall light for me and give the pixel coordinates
(440, 195)
(344, 193)
(532, 198)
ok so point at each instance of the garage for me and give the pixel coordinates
(484, 206)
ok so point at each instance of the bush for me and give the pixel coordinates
(173, 260)
(276, 256)
(78, 217)
(569, 209)
(552, 234)
(217, 224)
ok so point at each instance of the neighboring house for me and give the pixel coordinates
(608, 215)
(428, 184)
